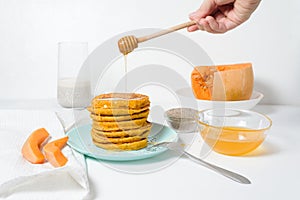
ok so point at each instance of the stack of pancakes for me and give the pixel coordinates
(120, 121)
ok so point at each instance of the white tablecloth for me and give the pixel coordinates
(273, 168)
(25, 180)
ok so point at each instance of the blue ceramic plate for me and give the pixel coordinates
(80, 140)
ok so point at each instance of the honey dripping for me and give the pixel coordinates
(125, 68)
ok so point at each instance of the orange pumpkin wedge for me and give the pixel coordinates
(223, 82)
(31, 148)
(53, 152)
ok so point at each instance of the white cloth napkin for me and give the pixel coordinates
(20, 179)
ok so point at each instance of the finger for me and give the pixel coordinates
(225, 9)
(214, 26)
(207, 7)
(224, 2)
(194, 16)
(224, 22)
(205, 25)
(219, 16)
(195, 27)
(200, 27)
(192, 28)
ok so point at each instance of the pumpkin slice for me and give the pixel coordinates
(223, 82)
(53, 152)
(31, 148)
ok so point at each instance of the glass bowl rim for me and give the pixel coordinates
(237, 128)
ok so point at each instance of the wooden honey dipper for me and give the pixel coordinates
(128, 43)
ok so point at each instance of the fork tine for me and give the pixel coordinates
(161, 144)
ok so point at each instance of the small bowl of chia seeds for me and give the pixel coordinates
(182, 120)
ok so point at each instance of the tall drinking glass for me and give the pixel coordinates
(72, 91)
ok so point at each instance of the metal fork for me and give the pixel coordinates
(175, 146)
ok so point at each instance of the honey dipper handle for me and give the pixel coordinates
(166, 31)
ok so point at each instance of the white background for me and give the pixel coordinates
(31, 29)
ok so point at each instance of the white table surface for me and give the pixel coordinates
(274, 168)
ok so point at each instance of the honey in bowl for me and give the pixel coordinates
(232, 140)
(233, 132)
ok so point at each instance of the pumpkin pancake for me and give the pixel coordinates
(120, 121)
(124, 133)
(118, 140)
(123, 146)
(122, 125)
(120, 100)
(116, 112)
(107, 118)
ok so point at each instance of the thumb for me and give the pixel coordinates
(195, 16)
(206, 8)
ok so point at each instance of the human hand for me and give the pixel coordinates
(220, 16)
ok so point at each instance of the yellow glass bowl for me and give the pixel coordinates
(232, 131)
